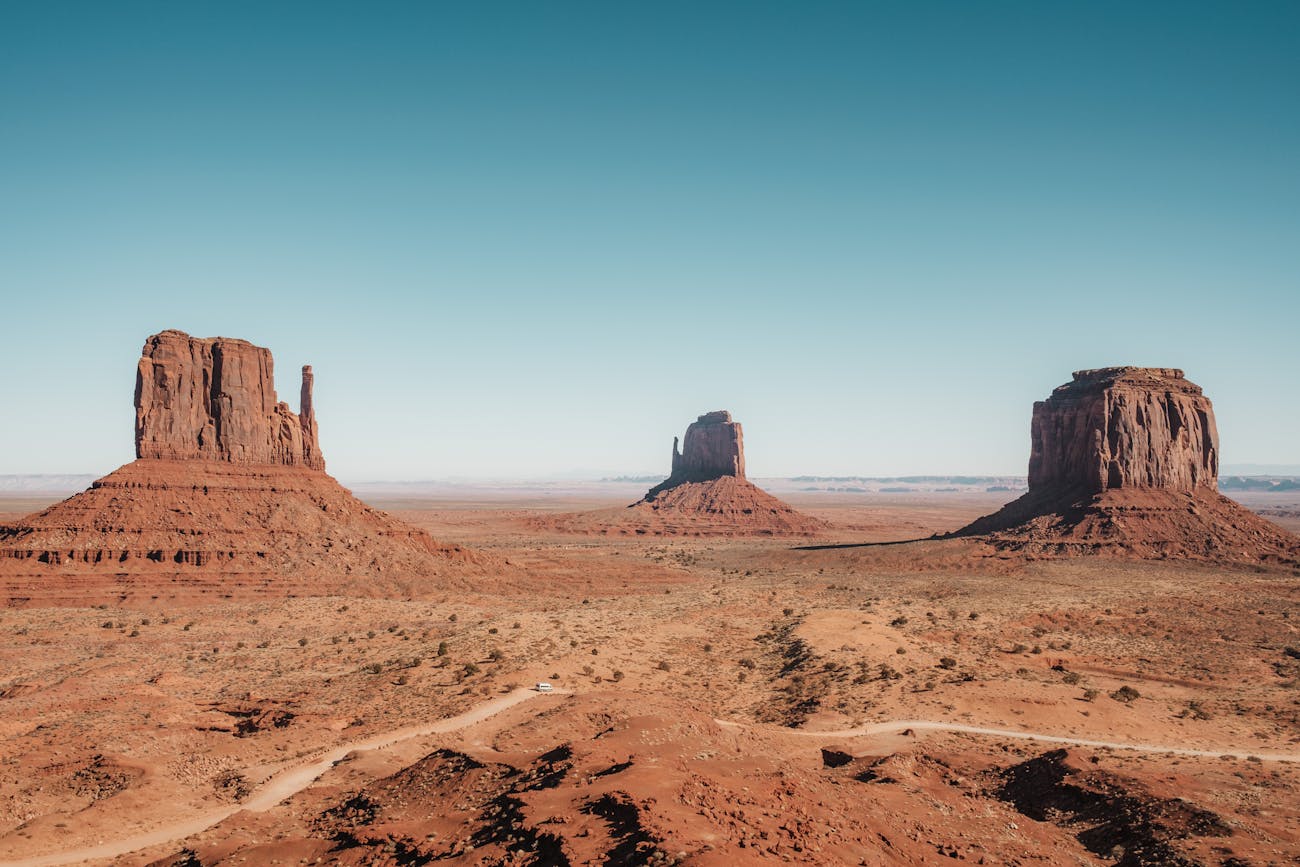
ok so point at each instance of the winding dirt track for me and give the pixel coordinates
(900, 726)
(293, 780)
(280, 786)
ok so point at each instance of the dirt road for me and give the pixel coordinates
(900, 726)
(286, 782)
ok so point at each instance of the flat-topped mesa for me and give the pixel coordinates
(714, 447)
(214, 399)
(1124, 427)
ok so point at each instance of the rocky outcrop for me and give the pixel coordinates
(214, 399)
(1124, 461)
(228, 496)
(714, 447)
(1124, 427)
(707, 492)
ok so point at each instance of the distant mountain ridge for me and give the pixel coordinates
(46, 483)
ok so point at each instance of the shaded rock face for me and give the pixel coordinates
(1125, 462)
(1124, 427)
(214, 399)
(714, 447)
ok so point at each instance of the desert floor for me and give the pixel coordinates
(719, 701)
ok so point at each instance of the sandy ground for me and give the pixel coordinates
(734, 700)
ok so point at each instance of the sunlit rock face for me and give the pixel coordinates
(214, 399)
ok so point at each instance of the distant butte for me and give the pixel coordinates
(228, 496)
(707, 492)
(1125, 461)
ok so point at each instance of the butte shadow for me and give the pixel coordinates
(228, 497)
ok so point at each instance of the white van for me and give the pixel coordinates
(543, 686)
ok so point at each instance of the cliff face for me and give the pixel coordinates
(1124, 427)
(214, 399)
(1125, 462)
(714, 447)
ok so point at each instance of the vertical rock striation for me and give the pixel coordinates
(214, 399)
(1124, 427)
(714, 447)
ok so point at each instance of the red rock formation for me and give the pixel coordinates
(228, 497)
(214, 399)
(707, 492)
(1125, 461)
(1124, 427)
(714, 447)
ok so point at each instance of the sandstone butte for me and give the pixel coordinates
(1125, 461)
(228, 496)
(707, 493)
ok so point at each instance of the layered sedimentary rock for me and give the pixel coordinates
(214, 399)
(1125, 460)
(1124, 427)
(707, 491)
(228, 497)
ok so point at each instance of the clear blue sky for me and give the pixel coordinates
(529, 238)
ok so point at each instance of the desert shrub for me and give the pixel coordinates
(1125, 694)
(496, 655)
(1091, 694)
(442, 648)
(232, 784)
(900, 620)
(471, 669)
(747, 663)
(616, 676)
(787, 611)
(947, 662)
(493, 631)
(1072, 677)
(302, 642)
(663, 665)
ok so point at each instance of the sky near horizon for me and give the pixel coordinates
(531, 239)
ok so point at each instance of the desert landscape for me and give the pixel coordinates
(704, 434)
(216, 655)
